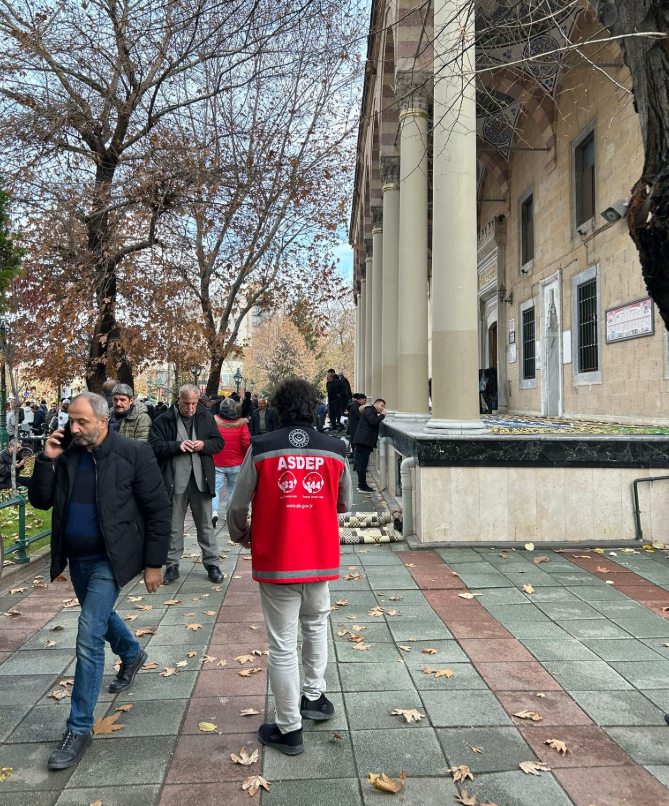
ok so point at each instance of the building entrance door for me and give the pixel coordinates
(551, 352)
(492, 345)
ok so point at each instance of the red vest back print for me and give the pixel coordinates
(294, 525)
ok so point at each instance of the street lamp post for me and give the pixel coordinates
(238, 379)
(196, 371)
(253, 385)
(149, 384)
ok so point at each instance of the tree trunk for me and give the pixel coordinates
(648, 63)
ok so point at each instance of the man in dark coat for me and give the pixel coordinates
(6, 468)
(110, 521)
(359, 400)
(346, 395)
(184, 440)
(335, 391)
(263, 419)
(366, 438)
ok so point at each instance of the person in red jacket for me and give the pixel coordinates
(298, 481)
(235, 431)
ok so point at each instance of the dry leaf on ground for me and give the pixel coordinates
(468, 595)
(169, 672)
(222, 663)
(245, 659)
(528, 589)
(259, 652)
(59, 693)
(410, 565)
(124, 708)
(529, 546)
(17, 590)
(477, 750)
(253, 784)
(249, 712)
(144, 607)
(533, 767)
(49, 644)
(556, 744)
(385, 783)
(129, 617)
(244, 758)
(207, 659)
(599, 551)
(96, 803)
(57, 628)
(438, 672)
(135, 598)
(146, 631)
(376, 611)
(150, 666)
(356, 638)
(194, 627)
(394, 613)
(209, 612)
(601, 570)
(465, 798)
(461, 773)
(411, 715)
(248, 672)
(172, 602)
(430, 651)
(529, 715)
(207, 727)
(341, 602)
(192, 654)
(541, 560)
(405, 648)
(67, 682)
(353, 576)
(106, 726)
(362, 647)
(181, 664)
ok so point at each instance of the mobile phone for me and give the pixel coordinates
(66, 439)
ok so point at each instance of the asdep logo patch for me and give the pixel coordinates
(287, 482)
(313, 483)
(298, 438)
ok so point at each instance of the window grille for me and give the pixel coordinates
(529, 346)
(588, 359)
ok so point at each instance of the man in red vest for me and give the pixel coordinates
(298, 481)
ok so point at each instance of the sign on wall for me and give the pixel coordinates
(630, 321)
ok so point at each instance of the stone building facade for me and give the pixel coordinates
(477, 224)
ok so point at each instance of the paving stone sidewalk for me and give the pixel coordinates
(595, 653)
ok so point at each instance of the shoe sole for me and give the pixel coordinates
(74, 761)
(125, 688)
(317, 716)
(174, 579)
(287, 751)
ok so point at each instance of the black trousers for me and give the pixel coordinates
(334, 409)
(360, 462)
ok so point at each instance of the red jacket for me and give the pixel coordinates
(237, 440)
(298, 480)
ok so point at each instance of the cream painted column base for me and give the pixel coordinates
(411, 416)
(463, 427)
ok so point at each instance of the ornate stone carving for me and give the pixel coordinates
(368, 248)
(377, 217)
(413, 89)
(390, 171)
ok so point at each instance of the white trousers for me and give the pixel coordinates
(283, 606)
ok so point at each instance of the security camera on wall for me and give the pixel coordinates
(616, 211)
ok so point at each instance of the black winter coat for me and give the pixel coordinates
(367, 432)
(353, 418)
(346, 393)
(271, 421)
(133, 507)
(334, 389)
(165, 443)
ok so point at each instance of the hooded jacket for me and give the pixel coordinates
(137, 423)
(133, 508)
(298, 480)
(235, 433)
(367, 432)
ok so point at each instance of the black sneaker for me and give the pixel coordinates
(365, 489)
(288, 743)
(126, 674)
(214, 519)
(171, 573)
(71, 748)
(318, 710)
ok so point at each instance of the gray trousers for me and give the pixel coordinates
(200, 506)
(283, 607)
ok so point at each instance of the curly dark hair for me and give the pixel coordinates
(295, 400)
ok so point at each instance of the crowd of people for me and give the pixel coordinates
(120, 475)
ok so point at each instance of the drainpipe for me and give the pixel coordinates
(407, 498)
(383, 462)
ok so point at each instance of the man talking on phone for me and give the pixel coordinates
(110, 522)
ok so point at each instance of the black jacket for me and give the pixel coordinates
(334, 389)
(271, 421)
(346, 393)
(247, 405)
(39, 420)
(133, 507)
(353, 418)
(367, 432)
(165, 443)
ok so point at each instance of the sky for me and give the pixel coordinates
(343, 254)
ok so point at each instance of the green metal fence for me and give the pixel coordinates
(20, 547)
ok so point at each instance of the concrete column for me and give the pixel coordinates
(356, 351)
(455, 397)
(369, 313)
(362, 304)
(412, 88)
(390, 176)
(377, 301)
